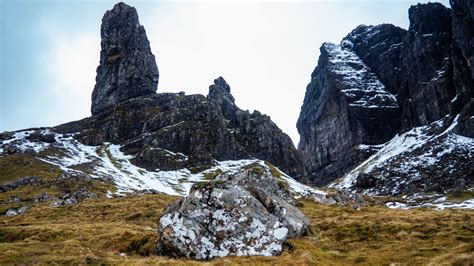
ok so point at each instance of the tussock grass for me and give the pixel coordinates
(98, 230)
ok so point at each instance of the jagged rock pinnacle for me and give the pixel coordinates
(127, 67)
(220, 92)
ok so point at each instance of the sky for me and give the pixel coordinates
(266, 51)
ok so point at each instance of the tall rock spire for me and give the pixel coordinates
(127, 67)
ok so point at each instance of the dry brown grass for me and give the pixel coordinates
(98, 230)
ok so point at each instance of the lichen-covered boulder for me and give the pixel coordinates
(239, 215)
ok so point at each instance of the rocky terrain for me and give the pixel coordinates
(395, 94)
(150, 177)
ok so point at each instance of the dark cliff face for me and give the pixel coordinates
(463, 60)
(127, 67)
(428, 86)
(345, 105)
(171, 131)
(418, 74)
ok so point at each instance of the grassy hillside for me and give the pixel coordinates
(122, 230)
(99, 230)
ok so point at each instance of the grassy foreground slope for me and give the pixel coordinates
(122, 230)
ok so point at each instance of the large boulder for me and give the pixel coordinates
(248, 213)
(127, 67)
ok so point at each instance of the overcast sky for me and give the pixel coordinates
(49, 51)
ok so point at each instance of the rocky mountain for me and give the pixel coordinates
(141, 142)
(389, 110)
(169, 131)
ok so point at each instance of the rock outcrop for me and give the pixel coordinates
(171, 131)
(463, 61)
(248, 213)
(428, 159)
(127, 66)
(383, 80)
(345, 105)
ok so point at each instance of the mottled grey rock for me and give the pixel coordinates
(16, 211)
(426, 69)
(127, 66)
(23, 181)
(463, 61)
(232, 215)
(345, 105)
(14, 199)
(428, 86)
(171, 131)
(43, 197)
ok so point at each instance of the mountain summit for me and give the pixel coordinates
(127, 67)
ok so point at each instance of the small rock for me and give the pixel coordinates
(14, 199)
(23, 181)
(70, 201)
(42, 197)
(17, 211)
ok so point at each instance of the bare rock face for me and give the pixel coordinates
(428, 86)
(345, 105)
(463, 60)
(127, 67)
(243, 214)
(425, 71)
(171, 131)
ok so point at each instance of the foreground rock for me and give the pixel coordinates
(127, 67)
(248, 213)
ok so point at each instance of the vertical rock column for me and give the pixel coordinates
(127, 66)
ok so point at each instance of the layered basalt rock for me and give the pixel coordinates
(127, 66)
(425, 69)
(463, 61)
(171, 131)
(345, 105)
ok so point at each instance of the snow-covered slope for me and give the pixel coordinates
(422, 159)
(108, 162)
(361, 85)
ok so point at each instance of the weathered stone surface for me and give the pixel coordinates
(171, 131)
(23, 181)
(382, 48)
(426, 68)
(127, 66)
(242, 214)
(16, 211)
(463, 61)
(428, 159)
(345, 105)
(428, 89)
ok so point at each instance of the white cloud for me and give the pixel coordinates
(69, 66)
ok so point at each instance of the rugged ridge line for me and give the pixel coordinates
(425, 68)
